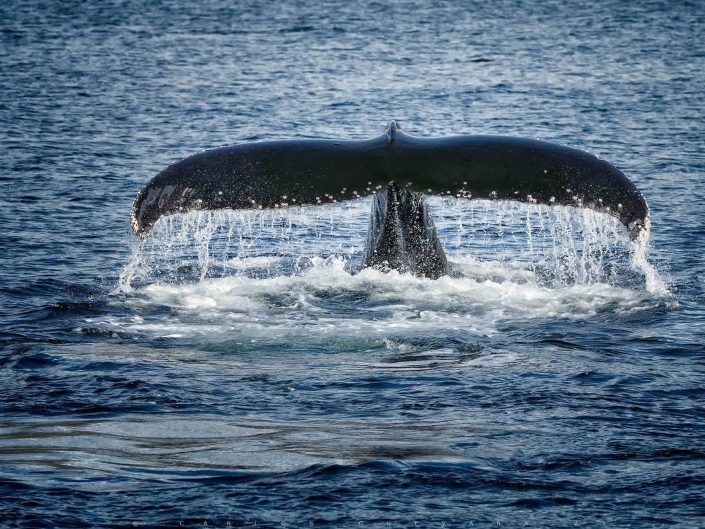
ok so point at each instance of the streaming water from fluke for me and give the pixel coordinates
(544, 246)
(655, 284)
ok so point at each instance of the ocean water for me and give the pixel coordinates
(238, 370)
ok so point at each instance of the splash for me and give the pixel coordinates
(547, 247)
(655, 284)
(327, 306)
(256, 243)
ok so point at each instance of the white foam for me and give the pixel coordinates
(370, 304)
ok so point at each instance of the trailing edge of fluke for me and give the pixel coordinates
(278, 174)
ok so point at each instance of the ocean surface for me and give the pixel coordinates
(239, 370)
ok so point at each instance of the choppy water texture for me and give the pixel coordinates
(236, 369)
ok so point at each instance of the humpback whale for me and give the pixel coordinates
(399, 169)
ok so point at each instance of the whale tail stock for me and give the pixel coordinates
(402, 235)
(399, 169)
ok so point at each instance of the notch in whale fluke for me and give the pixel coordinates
(277, 174)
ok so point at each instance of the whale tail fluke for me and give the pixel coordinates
(280, 174)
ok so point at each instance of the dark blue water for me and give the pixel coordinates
(232, 370)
